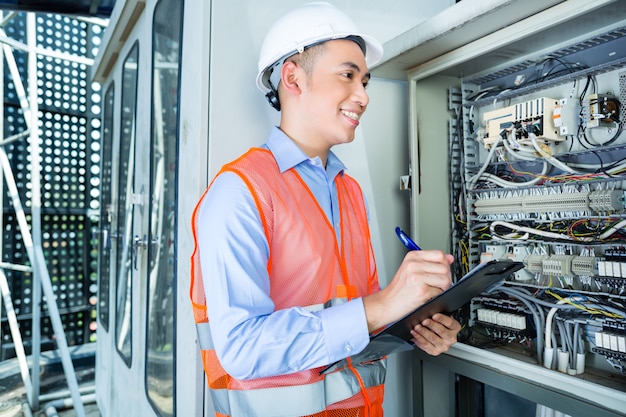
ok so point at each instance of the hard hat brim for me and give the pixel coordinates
(373, 55)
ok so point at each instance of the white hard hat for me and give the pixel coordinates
(310, 24)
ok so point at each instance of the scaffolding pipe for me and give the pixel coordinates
(51, 408)
(1, 137)
(45, 52)
(15, 334)
(26, 409)
(15, 267)
(17, 80)
(33, 242)
(4, 285)
(14, 138)
(35, 254)
(35, 172)
(45, 398)
(6, 19)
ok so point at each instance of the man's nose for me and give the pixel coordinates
(361, 97)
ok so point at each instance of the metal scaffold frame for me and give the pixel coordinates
(32, 236)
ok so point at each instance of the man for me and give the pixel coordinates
(283, 252)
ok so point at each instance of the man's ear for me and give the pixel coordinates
(291, 76)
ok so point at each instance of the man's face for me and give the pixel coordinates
(334, 96)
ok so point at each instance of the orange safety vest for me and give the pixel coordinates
(283, 200)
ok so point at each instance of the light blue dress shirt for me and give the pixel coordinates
(251, 339)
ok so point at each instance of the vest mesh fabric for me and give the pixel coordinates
(283, 200)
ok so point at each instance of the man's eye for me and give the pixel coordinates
(347, 75)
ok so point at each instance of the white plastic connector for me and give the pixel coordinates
(617, 269)
(548, 354)
(580, 363)
(599, 340)
(562, 361)
(621, 344)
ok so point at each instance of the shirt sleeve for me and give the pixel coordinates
(250, 338)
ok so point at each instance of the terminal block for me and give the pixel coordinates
(559, 265)
(607, 200)
(584, 265)
(534, 263)
(600, 201)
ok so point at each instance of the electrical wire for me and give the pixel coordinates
(519, 151)
(565, 344)
(589, 307)
(511, 184)
(549, 319)
(492, 151)
(527, 231)
(523, 232)
(611, 230)
(552, 160)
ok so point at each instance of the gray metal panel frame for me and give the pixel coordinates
(566, 399)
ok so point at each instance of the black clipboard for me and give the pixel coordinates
(397, 337)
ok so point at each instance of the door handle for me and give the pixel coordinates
(138, 243)
(105, 238)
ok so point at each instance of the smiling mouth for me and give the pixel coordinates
(352, 115)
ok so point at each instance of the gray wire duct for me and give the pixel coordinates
(573, 343)
(566, 338)
(554, 351)
(579, 344)
(579, 337)
(562, 334)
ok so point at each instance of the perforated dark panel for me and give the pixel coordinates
(69, 142)
(64, 162)
(101, 8)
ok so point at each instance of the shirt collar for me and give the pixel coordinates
(288, 155)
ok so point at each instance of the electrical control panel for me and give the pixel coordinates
(541, 179)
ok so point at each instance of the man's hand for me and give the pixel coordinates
(436, 334)
(421, 276)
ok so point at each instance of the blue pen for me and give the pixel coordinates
(406, 240)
